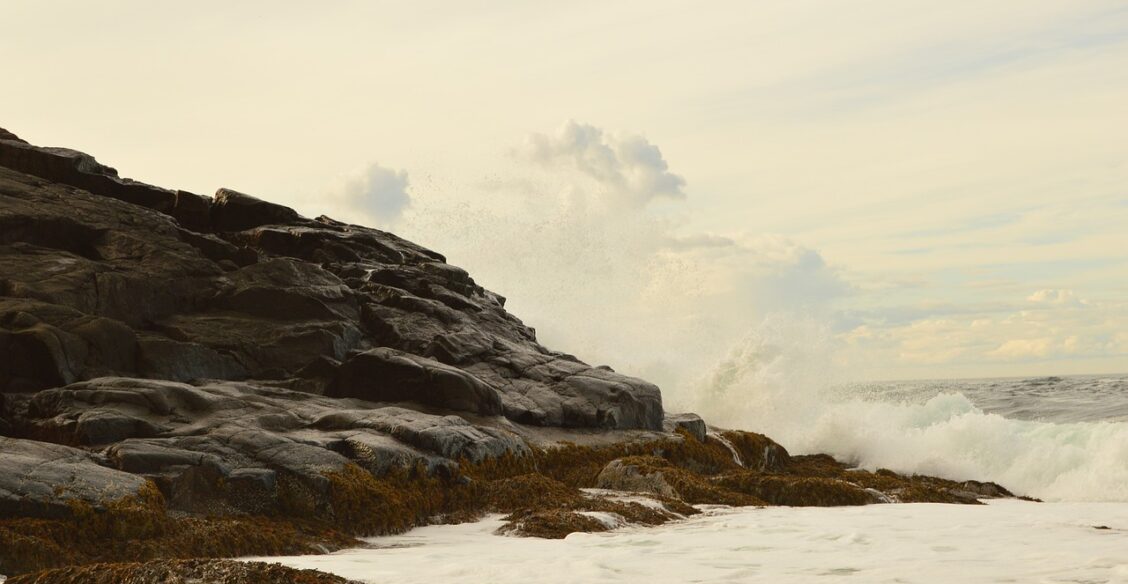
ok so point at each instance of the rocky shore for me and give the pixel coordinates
(184, 376)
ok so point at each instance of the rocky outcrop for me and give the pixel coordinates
(186, 376)
(232, 446)
(108, 276)
(230, 357)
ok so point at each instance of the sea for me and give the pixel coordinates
(1063, 439)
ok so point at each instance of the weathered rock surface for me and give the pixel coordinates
(231, 351)
(45, 480)
(226, 446)
(101, 275)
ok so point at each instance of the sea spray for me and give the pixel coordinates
(777, 381)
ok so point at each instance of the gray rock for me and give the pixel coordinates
(44, 480)
(163, 358)
(691, 423)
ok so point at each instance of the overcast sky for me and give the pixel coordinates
(914, 189)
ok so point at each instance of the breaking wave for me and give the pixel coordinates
(777, 382)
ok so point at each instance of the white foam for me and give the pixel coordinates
(775, 383)
(1006, 541)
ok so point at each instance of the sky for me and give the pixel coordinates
(902, 189)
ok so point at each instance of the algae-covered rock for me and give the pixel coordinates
(635, 476)
(181, 572)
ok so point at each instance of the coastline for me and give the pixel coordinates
(1004, 540)
(211, 377)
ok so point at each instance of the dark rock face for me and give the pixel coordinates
(101, 275)
(227, 349)
(235, 211)
(389, 375)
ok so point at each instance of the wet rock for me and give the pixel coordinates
(800, 491)
(756, 451)
(985, 490)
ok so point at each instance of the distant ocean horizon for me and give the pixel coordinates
(1050, 398)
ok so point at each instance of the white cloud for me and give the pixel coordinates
(1053, 337)
(628, 166)
(378, 192)
(1056, 297)
(1024, 348)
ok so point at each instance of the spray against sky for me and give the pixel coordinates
(941, 186)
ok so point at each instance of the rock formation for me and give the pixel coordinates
(226, 358)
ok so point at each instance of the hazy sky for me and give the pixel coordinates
(916, 189)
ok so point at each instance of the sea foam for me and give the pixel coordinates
(776, 382)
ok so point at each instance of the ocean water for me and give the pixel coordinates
(1006, 541)
(1066, 399)
(1055, 438)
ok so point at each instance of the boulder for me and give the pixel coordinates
(691, 423)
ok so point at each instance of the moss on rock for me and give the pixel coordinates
(181, 572)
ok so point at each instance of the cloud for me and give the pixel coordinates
(1025, 348)
(627, 166)
(1060, 333)
(1056, 297)
(378, 192)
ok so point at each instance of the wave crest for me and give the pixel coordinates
(776, 382)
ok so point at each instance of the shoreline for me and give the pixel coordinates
(540, 496)
(918, 542)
